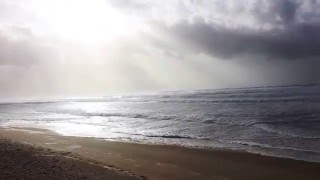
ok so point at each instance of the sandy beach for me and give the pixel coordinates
(91, 158)
(22, 161)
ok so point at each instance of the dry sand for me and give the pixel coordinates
(160, 161)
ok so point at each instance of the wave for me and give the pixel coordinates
(170, 136)
(125, 115)
(260, 145)
(284, 100)
(282, 132)
(135, 116)
(165, 136)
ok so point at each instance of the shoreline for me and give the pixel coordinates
(40, 128)
(267, 151)
(169, 161)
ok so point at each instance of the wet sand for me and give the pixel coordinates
(161, 161)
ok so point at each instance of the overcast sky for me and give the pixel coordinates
(98, 47)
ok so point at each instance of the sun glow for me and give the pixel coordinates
(83, 21)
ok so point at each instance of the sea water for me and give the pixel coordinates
(275, 121)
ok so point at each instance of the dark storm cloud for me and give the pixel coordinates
(293, 33)
(277, 11)
(294, 42)
(287, 10)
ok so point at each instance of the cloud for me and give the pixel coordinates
(19, 47)
(298, 41)
(280, 29)
(287, 11)
(175, 44)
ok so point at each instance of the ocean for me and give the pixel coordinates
(274, 121)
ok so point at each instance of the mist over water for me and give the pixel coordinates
(276, 121)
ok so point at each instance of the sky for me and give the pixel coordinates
(99, 47)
